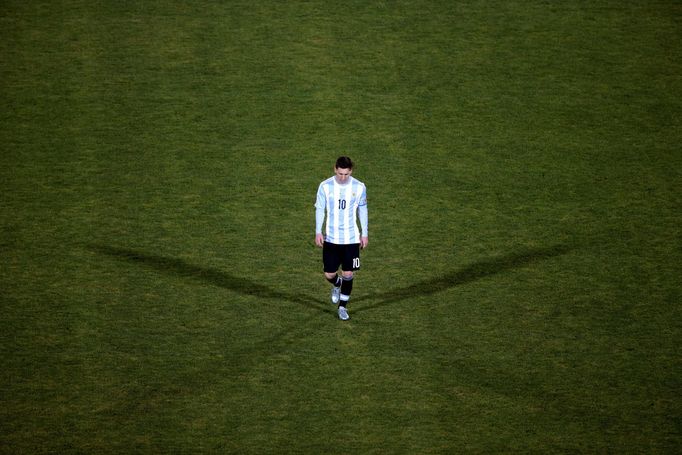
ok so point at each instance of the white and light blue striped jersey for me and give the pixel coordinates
(342, 204)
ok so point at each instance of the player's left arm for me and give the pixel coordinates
(364, 219)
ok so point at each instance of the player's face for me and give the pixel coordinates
(342, 175)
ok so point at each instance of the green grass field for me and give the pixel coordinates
(160, 288)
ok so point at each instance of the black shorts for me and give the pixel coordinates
(346, 256)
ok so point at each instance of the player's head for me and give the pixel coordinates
(343, 169)
(344, 162)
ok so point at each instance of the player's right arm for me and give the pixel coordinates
(320, 206)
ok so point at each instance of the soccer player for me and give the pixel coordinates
(342, 201)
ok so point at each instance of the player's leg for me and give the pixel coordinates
(331, 260)
(346, 287)
(350, 263)
(333, 278)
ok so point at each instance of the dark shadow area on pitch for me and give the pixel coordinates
(468, 274)
(211, 276)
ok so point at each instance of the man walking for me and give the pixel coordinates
(341, 202)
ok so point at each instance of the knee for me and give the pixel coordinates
(329, 276)
(347, 275)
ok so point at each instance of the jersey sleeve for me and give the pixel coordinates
(321, 201)
(320, 205)
(362, 212)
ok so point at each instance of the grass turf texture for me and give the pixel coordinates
(159, 285)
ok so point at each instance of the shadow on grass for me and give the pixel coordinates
(215, 277)
(472, 272)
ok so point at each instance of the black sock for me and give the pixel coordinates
(335, 281)
(346, 286)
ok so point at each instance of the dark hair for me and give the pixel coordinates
(343, 162)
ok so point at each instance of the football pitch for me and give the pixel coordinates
(160, 290)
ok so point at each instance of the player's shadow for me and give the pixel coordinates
(472, 272)
(215, 277)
